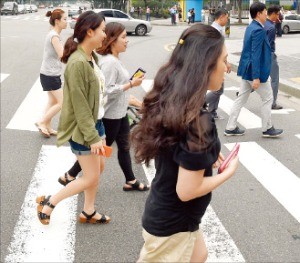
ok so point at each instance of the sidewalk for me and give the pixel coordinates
(287, 50)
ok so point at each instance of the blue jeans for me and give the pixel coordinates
(80, 149)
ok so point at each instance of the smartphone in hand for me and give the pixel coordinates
(234, 152)
(108, 151)
(139, 72)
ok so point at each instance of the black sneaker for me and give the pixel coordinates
(276, 107)
(236, 132)
(272, 132)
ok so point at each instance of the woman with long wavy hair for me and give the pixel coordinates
(180, 134)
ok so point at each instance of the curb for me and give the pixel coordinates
(284, 85)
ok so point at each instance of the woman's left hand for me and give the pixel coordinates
(219, 161)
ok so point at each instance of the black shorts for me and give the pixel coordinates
(50, 82)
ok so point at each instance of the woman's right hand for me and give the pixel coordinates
(97, 147)
(137, 81)
(232, 166)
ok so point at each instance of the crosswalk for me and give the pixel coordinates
(27, 17)
(56, 242)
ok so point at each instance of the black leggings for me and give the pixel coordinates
(115, 130)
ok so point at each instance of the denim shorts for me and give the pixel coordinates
(80, 149)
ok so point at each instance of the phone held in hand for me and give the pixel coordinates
(139, 72)
(234, 152)
(108, 151)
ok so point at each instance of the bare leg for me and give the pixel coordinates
(55, 98)
(200, 251)
(90, 195)
(88, 182)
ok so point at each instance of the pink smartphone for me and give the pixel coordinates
(231, 155)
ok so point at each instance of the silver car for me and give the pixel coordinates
(132, 25)
(290, 23)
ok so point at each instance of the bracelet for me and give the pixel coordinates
(130, 83)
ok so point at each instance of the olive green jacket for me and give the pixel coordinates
(80, 103)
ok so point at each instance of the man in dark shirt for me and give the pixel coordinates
(273, 14)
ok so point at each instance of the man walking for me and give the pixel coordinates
(254, 68)
(213, 97)
(273, 14)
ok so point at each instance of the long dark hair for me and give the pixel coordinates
(112, 30)
(173, 105)
(87, 20)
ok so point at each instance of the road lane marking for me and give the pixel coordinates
(220, 245)
(233, 88)
(32, 241)
(30, 110)
(3, 76)
(283, 184)
(147, 85)
(246, 118)
(282, 111)
(298, 136)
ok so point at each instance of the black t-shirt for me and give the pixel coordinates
(165, 214)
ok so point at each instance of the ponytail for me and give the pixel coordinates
(70, 47)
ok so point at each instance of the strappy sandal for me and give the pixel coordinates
(135, 187)
(42, 130)
(89, 219)
(42, 201)
(64, 183)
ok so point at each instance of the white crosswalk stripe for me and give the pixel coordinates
(26, 115)
(38, 242)
(273, 175)
(3, 76)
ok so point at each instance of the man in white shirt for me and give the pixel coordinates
(213, 98)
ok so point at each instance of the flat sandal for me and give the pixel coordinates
(42, 201)
(90, 220)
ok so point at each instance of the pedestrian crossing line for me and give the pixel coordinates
(32, 241)
(3, 76)
(283, 184)
(246, 118)
(233, 88)
(220, 245)
(282, 111)
(30, 110)
(147, 85)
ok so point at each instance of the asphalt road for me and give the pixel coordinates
(262, 228)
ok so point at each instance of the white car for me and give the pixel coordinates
(132, 25)
(290, 23)
(31, 8)
(22, 9)
(73, 10)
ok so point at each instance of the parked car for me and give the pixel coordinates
(22, 9)
(31, 8)
(73, 10)
(290, 23)
(132, 25)
(9, 8)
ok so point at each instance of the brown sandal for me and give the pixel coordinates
(90, 220)
(42, 201)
